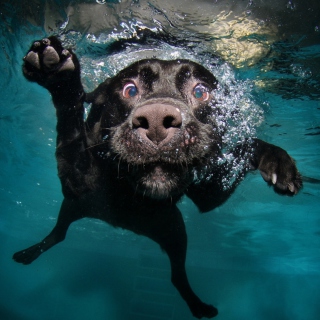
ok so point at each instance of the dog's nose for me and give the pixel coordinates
(157, 122)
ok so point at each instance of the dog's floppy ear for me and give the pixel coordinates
(98, 98)
(101, 90)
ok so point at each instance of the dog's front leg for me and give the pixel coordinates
(57, 69)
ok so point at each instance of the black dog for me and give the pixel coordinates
(149, 132)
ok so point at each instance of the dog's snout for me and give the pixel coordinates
(157, 122)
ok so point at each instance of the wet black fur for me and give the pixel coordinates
(109, 172)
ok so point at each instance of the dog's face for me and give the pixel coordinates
(157, 124)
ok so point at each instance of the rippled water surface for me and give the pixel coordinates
(257, 256)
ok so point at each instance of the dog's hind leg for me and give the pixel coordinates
(172, 238)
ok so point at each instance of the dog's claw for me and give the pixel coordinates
(36, 45)
(292, 188)
(46, 42)
(274, 178)
(65, 53)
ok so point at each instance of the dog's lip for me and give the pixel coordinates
(159, 166)
(164, 163)
(159, 174)
(160, 171)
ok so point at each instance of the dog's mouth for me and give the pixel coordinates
(165, 170)
(158, 180)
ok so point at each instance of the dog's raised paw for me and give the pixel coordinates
(47, 59)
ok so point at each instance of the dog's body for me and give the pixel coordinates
(150, 130)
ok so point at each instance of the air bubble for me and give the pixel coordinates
(290, 5)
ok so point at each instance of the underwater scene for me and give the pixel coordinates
(257, 255)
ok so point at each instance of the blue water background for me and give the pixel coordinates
(256, 257)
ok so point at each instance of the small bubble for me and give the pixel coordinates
(290, 5)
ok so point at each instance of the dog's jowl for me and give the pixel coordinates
(151, 130)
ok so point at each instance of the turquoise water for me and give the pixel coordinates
(257, 256)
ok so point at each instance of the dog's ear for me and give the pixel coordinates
(99, 99)
(99, 93)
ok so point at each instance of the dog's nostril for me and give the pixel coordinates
(170, 121)
(140, 122)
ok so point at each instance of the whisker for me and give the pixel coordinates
(100, 143)
(136, 189)
(96, 145)
(119, 167)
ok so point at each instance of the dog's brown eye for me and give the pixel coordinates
(130, 90)
(201, 93)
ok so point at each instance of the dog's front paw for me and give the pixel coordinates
(279, 169)
(47, 62)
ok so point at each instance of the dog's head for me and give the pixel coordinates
(157, 124)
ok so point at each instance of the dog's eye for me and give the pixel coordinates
(129, 90)
(201, 93)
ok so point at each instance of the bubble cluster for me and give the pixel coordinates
(237, 116)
